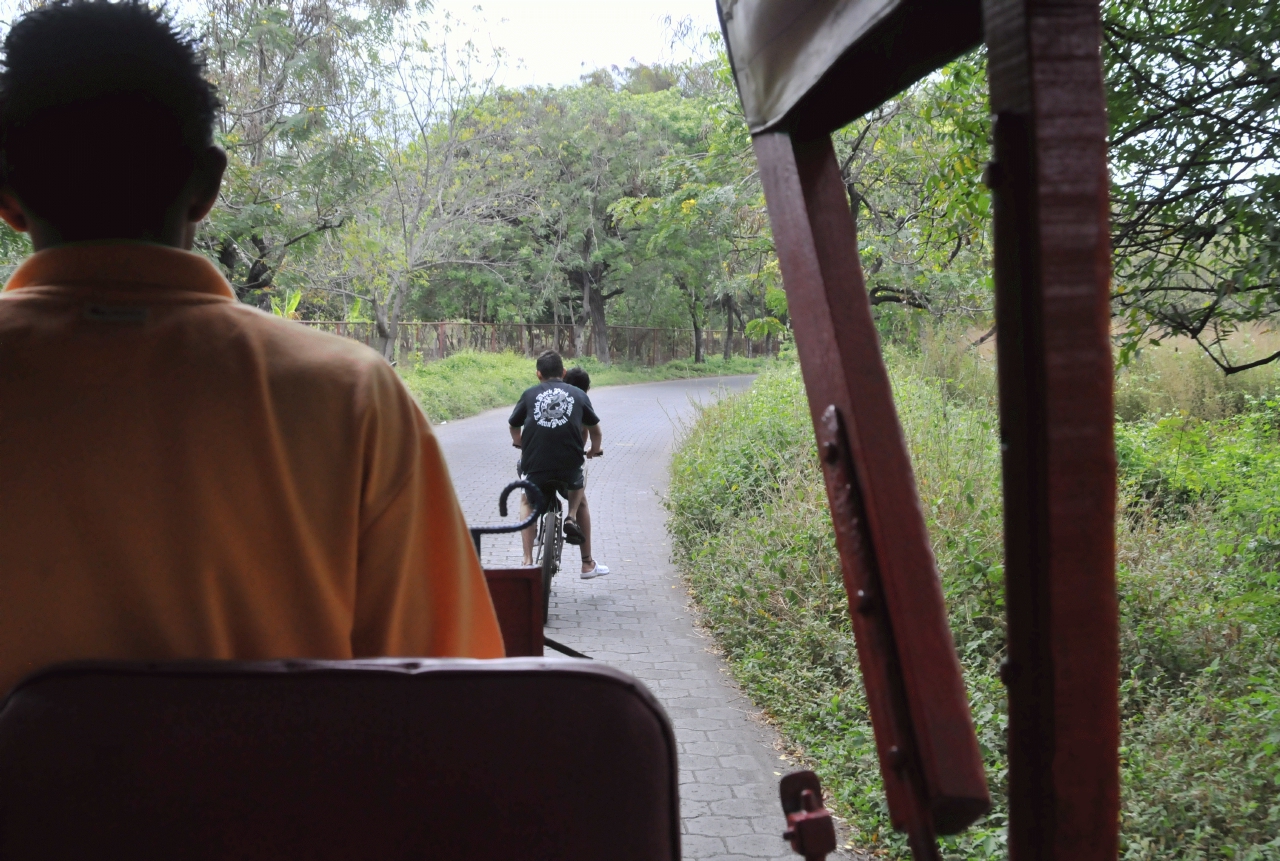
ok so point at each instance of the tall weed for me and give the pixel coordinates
(1177, 378)
(1196, 576)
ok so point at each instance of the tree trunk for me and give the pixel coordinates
(388, 322)
(380, 328)
(389, 330)
(728, 327)
(578, 332)
(688, 291)
(593, 310)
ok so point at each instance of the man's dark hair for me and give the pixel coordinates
(578, 377)
(550, 365)
(104, 111)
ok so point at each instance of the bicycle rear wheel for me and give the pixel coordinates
(552, 540)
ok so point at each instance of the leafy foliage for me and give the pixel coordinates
(1194, 105)
(377, 167)
(912, 169)
(292, 77)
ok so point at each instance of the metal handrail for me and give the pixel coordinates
(535, 497)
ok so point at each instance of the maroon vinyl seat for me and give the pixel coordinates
(506, 760)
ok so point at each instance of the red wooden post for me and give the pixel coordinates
(929, 755)
(1052, 272)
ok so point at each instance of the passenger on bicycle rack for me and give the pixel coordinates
(579, 378)
(547, 425)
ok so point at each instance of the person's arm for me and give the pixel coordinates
(419, 590)
(516, 422)
(591, 427)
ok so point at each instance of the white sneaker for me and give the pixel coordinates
(598, 571)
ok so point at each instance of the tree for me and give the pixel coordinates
(294, 77)
(688, 228)
(446, 165)
(1195, 107)
(912, 172)
(595, 147)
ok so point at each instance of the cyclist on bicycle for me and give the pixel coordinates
(547, 425)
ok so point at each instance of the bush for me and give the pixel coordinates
(1196, 576)
(469, 382)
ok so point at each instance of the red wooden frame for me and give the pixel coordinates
(1049, 180)
(1049, 185)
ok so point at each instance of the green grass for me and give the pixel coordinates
(1177, 378)
(1198, 552)
(468, 383)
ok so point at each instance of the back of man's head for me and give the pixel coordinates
(578, 377)
(550, 365)
(104, 114)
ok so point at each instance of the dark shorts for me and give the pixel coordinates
(571, 479)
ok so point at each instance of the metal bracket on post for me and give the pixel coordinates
(878, 654)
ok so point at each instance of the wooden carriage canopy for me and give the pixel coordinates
(804, 68)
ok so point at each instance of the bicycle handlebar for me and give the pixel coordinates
(536, 499)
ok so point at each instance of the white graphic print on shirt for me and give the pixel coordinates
(553, 408)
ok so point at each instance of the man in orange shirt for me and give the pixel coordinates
(182, 476)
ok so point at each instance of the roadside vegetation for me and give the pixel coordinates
(467, 383)
(1198, 557)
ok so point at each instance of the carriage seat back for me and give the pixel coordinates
(387, 759)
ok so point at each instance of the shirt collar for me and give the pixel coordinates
(120, 265)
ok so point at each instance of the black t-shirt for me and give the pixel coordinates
(551, 416)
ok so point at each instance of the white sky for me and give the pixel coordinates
(552, 42)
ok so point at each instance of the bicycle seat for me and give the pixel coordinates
(341, 760)
(549, 487)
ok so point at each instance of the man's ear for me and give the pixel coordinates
(207, 179)
(12, 212)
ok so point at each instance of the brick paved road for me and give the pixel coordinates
(636, 618)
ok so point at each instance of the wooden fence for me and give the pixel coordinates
(638, 344)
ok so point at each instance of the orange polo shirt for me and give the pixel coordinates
(182, 476)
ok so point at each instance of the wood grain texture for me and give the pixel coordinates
(1052, 273)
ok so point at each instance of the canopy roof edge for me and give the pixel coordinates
(811, 67)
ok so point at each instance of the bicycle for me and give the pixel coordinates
(547, 554)
(548, 544)
(536, 502)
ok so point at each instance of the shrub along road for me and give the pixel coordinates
(637, 618)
